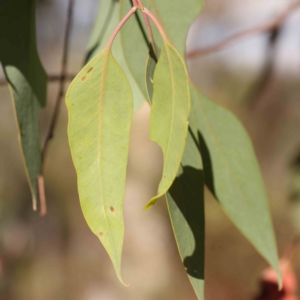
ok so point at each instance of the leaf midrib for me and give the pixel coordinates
(173, 101)
(107, 53)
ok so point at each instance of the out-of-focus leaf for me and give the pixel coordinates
(26, 77)
(134, 33)
(107, 20)
(3, 3)
(233, 175)
(169, 113)
(100, 107)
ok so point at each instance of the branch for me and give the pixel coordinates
(249, 32)
(51, 78)
(266, 87)
(60, 95)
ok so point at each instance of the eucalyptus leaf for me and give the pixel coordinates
(107, 20)
(186, 208)
(169, 113)
(233, 175)
(26, 78)
(185, 198)
(134, 33)
(100, 107)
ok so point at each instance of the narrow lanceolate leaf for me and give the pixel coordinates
(233, 175)
(175, 17)
(107, 20)
(185, 199)
(169, 113)
(186, 208)
(100, 107)
(26, 78)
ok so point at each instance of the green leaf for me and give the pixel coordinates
(27, 80)
(100, 107)
(233, 175)
(134, 31)
(186, 208)
(185, 198)
(169, 113)
(107, 20)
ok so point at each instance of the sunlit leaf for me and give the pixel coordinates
(175, 16)
(100, 107)
(185, 198)
(186, 207)
(233, 175)
(169, 113)
(26, 77)
(107, 20)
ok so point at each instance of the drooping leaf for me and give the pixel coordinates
(233, 175)
(169, 113)
(100, 107)
(26, 78)
(185, 198)
(107, 20)
(186, 208)
(168, 14)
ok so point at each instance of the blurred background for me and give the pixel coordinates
(256, 76)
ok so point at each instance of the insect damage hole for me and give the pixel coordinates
(112, 209)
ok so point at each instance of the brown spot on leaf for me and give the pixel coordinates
(112, 209)
(90, 70)
(83, 78)
(101, 233)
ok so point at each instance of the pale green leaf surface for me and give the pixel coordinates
(233, 175)
(185, 198)
(100, 107)
(107, 20)
(175, 16)
(27, 79)
(186, 208)
(169, 113)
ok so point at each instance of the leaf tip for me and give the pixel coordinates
(150, 203)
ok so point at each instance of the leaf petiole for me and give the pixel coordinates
(155, 21)
(120, 25)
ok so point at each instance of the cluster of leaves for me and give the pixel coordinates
(202, 143)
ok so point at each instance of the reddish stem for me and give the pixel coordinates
(41, 184)
(150, 32)
(155, 21)
(120, 25)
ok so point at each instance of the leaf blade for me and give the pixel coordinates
(185, 201)
(100, 107)
(169, 114)
(27, 81)
(233, 175)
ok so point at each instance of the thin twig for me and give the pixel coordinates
(62, 78)
(42, 196)
(51, 78)
(265, 86)
(249, 32)
(60, 95)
